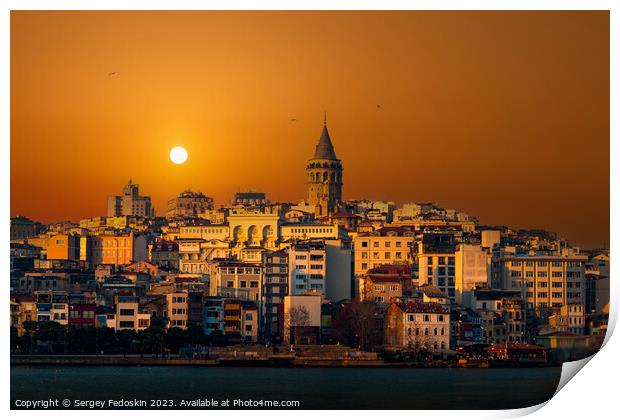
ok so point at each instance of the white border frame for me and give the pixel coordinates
(592, 394)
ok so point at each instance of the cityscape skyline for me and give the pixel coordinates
(461, 98)
(413, 197)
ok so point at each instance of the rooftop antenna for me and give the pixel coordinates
(325, 119)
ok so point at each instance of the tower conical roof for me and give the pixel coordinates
(324, 148)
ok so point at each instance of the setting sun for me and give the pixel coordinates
(178, 155)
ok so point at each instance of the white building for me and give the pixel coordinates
(177, 309)
(196, 254)
(309, 230)
(131, 203)
(339, 276)
(188, 204)
(545, 281)
(471, 269)
(307, 268)
(231, 278)
(301, 312)
(417, 325)
(251, 227)
(407, 211)
(437, 262)
(128, 316)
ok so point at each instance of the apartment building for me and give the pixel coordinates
(195, 255)
(308, 267)
(275, 288)
(388, 245)
(471, 270)
(23, 309)
(127, 314)
(117, 249)
(385, 283)
(503, 314)
(52, 306)
(232, 278)
(545, 281)
(435, 254)
(130, 203)
(177, 309)
(418, 325)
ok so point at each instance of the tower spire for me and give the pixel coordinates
(324, 175)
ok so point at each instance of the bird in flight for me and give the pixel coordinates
(293, 120)
(113, 73)
(379, 106)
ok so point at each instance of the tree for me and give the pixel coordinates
(298, 316)
(357, 324)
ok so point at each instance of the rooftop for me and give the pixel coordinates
(324, 148)
(422, 307)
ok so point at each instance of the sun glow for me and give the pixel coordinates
(178, 155)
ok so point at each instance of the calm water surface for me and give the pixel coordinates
(315, 388)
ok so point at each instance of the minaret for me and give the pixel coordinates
(324, 176)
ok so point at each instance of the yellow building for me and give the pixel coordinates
(117, 249)
(58, 246)
(388, 245)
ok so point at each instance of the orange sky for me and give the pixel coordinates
(504, 115)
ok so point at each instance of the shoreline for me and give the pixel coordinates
(276, 361)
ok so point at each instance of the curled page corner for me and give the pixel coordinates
(569, 370)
